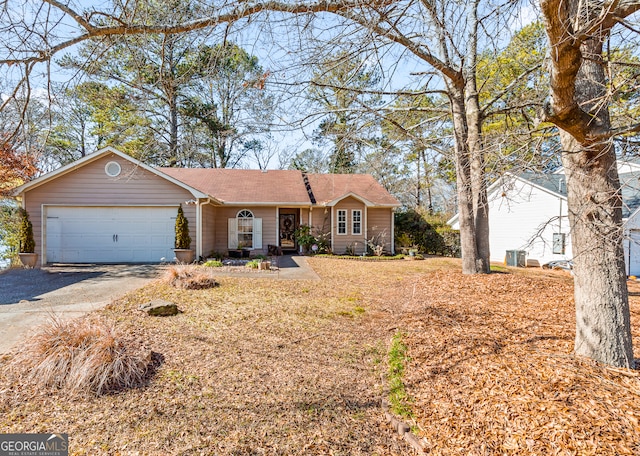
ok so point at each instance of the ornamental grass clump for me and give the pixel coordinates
(189, 277)
(82, 356)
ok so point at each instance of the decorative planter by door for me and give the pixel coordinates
(28, 260)
(184, 255)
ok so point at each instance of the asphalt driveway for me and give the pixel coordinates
(29, 296)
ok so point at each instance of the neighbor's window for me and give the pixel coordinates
(342, 221)
(559, 243)
(356, 221)
(245, 229)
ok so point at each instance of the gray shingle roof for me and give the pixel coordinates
(556, 183)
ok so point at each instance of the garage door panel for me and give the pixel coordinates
(109, 234)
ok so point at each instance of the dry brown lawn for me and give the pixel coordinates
(261, 366)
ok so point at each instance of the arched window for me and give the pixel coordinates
(245, 229)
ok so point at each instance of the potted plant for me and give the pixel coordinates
(182, 249)
(27, 244)
(304, 238)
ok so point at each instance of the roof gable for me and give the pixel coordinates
(96, 156)
(328, 189)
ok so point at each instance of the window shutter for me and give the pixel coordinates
(232, 234)
(257, 233)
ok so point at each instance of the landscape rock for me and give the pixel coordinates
(160, 308)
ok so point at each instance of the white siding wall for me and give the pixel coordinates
(523, 217)
(632, 245)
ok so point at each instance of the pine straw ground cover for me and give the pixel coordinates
(259, 366)
(491, 370)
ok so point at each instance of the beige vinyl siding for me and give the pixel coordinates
(89, 185)
(223, 214)
(321, 220)
(304, 216)
(379, 221)
(342, 241)
(209, 230)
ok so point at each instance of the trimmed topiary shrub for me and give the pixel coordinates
(25, 235)
(183, 240)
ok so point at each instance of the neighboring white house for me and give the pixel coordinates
(528, 213)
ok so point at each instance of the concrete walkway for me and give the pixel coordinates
(294, 267)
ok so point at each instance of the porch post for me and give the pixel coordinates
(198, 229)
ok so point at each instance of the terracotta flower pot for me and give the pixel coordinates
(184, 255)
(28, 260)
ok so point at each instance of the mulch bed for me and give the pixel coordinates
(295, 367)
(491, 370)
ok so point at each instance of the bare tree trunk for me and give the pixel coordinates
(474, 142)
(173, 132)
(578, 105)
(468, 245)
(478, 180)
(418, 186)
(603, 329)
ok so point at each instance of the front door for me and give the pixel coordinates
(287, 228)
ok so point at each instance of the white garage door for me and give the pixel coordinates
(110, 234)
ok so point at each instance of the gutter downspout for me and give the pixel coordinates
(199, 229)
(366, 228)
(393, 231)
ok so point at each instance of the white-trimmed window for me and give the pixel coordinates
(245, 231)
(356, 222)
(342, 221)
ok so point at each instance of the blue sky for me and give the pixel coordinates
(278, 46)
